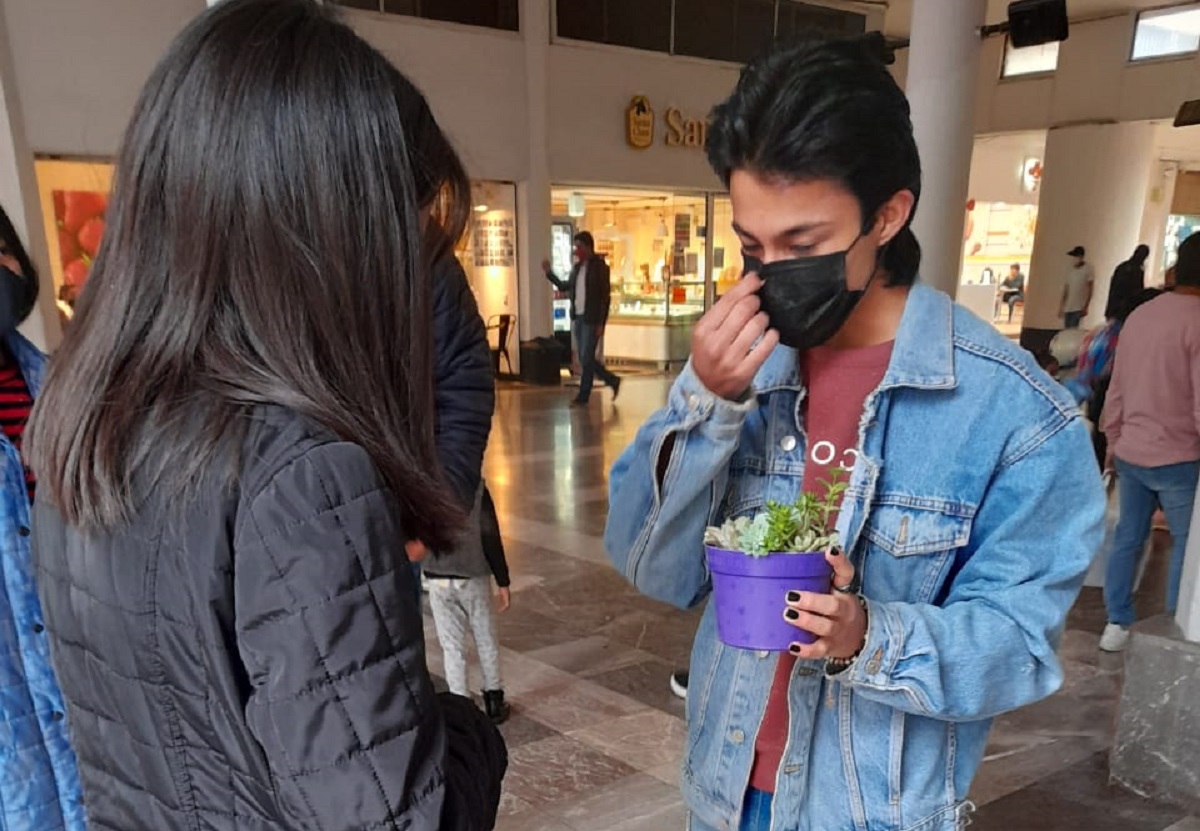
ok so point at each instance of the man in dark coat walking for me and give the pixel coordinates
(591, 293)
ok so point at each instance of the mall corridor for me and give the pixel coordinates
(596, 736)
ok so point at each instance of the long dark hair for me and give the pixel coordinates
(825, 109)
(262, 246)
(8, 236)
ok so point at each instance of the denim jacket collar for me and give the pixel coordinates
(923, 356)
(30, 361)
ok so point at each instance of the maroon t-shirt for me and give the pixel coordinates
(838, 382)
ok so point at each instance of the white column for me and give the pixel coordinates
(1154, 221)
(533, 194)
(943, 72)
(1188, 613)
(1093, 194)
(19, 197)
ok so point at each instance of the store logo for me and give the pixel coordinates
(639, 123)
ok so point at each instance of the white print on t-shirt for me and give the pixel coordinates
(824, 453)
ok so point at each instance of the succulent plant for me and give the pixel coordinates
(805, 525)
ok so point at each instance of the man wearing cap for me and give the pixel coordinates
(1152, 422)
(1077, 291)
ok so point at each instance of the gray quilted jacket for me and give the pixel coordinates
(254, 660)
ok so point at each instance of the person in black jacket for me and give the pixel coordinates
(590, 289)
(236, 442)
(464, 386)
(1127, 284)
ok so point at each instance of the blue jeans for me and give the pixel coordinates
(1140, 491)
(587, 337)
(756, 816)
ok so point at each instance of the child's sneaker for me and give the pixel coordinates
(495, 706)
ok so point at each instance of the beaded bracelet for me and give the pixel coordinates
(835, 666)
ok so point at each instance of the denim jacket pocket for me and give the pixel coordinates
(911, 543)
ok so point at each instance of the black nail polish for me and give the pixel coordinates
(835, 551)
(793, 597)
(794, 649)
(791, 614)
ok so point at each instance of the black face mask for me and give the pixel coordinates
(806, 299)
(13, 300)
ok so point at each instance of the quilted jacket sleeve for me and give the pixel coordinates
(341, 701)
(464, 386)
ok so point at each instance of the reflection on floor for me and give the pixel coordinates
(596, 735)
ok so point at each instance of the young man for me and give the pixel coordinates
(956, 570)
(1077, 290)
(1153, 429)
(591, 293)
(1013, 289)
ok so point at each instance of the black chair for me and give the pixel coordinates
(504, 326)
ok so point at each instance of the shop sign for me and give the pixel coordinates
(680, 130)
(685, 132)
(639, 123)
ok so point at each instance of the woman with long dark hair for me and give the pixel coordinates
(39, 780)
(236, 442)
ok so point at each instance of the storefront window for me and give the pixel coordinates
(727, 249)
(74, 197)
(655, 245)
(724, 30)
(488, 254)
(999, 236)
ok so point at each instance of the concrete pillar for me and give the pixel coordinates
(943, 72)
(533, 194)
(1154, 220)
(1188, 613)
(1093, 194)
(19, 196)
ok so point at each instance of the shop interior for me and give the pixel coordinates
(488, 253)
(669, 253)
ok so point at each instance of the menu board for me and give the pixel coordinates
(494, 242)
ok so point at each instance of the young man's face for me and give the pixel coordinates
(781, 220)
(582, 252)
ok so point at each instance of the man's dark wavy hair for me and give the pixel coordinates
(825, 109)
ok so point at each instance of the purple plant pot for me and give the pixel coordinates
(751, 595)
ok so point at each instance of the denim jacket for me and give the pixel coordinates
(973, 512)
(39, 780)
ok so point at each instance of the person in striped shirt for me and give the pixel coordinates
(39, 781)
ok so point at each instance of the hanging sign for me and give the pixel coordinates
(639, 123)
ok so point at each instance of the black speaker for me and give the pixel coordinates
(1034, 22)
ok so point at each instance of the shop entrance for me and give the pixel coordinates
(670, 254)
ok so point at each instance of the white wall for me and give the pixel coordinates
(1095, 82)
(590, 89)
(81, 63)
(996, 167)
(474, 80)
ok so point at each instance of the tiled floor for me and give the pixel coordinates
(596, 735)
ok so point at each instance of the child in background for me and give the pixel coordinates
(460, 594)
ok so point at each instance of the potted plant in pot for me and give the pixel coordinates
(755, 561)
